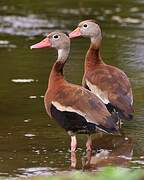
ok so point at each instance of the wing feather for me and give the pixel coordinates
(111, 85)
(81, 101)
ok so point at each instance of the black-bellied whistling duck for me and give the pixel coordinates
(109, 83)
(76, 109)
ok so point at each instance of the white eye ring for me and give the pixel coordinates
(56, 36)
(85, 25)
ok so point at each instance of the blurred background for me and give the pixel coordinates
(31, 142)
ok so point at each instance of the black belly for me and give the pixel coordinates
(72, 121)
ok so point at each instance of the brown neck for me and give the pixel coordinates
(93, 56)
(56, 74)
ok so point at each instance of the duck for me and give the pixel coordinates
(75, 109)
(107, 82)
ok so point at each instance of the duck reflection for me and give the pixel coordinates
(107, 150)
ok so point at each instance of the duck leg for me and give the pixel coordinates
(89, 143)
(73, 143)
(73, 151)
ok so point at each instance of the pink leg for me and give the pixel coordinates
(73, 143)
(73, 151)
(89, 143)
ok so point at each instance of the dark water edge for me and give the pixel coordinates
(30, 142)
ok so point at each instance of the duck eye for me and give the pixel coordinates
(85, 25)
(55, 36)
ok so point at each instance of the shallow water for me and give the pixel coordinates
(30, 142)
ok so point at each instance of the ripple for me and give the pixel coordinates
(30, 135)
(33, 97)
(27, 120)
(140, 162)
(134, 9)
(131, 20)
(24, 80)
(69, 11)
(34, 171)
(125, 157)
(5, 43)
(108, 11)
(33, 25)
(128, 20)
(26, 25)
(118, 9)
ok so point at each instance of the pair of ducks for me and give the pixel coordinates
(106, 93)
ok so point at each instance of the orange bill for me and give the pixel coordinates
(75, 33)
(44, 43)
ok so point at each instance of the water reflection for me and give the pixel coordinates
(109, 150)
(120, 154)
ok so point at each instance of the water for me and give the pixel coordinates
(30, 142)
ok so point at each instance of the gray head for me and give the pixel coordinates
(57, 40)
(54, 39)
(87, 28)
